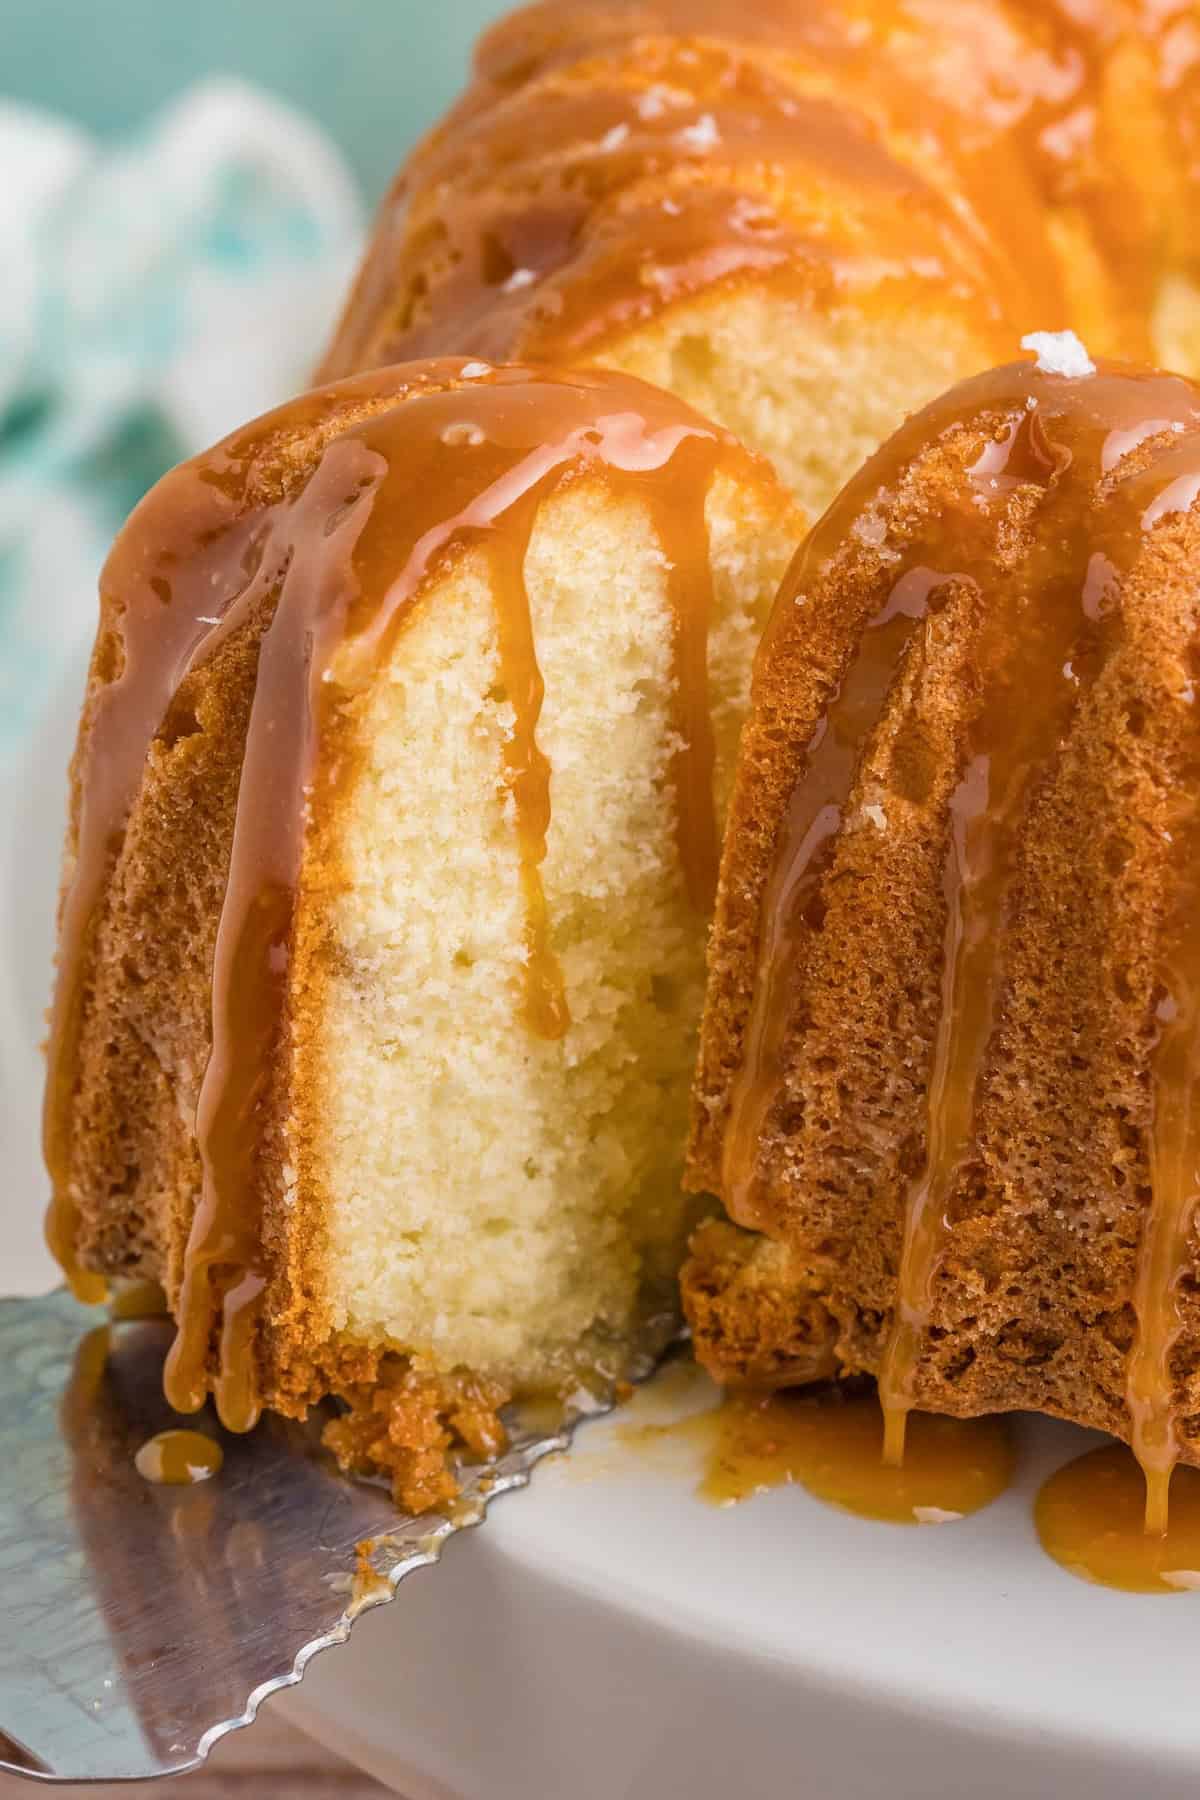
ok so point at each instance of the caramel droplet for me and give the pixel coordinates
(1091, 1518)
(137, 1300)
(831, 1445)
(179, 1458)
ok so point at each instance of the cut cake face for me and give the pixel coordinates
(396, 808)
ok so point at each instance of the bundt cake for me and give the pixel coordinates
(414, 708)
(949, 1061)
(393, 836)
(806, 219)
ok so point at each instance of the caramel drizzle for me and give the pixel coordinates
(611, 159)
(460, 457)
(1028, 700)
(527, 773)
(157, 645)
(691, 601)
(988, 810)
(225, 1273)
(1165, 1253)
(809, 836)
(1037, 651)
(560, 274)
(543, 220)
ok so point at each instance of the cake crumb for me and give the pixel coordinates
(407, 1427)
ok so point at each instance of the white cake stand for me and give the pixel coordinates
(609, 1636)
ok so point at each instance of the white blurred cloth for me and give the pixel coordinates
(154, 294)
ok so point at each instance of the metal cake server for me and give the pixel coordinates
(140, 1623)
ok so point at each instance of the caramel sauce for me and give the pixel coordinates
(810, 832)
(691, 602)
(831, 1445)
(1091, 1518)
(544, 226)
(527, 773)
(414, 468)
(368, 1586)
(130, 1300)
(827, 1441)
(1033, 644)
(1036, 647)
(1165, 1254)
(612, 159)
(1156, 1393)
(179, 1458)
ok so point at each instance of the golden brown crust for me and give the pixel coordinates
(755, 1322)
(146, 1034)
(132, 1078)
(135, 1168)
(1031, 1301)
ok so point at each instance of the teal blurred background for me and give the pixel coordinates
(174, 251)
(373, 72)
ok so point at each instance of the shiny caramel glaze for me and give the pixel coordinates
(827, 1440)
(1166, 1257)
(132, 1300)
(1004, 597)
(179, 1458)
(1020, 163)
(318, 528)
(1090, 1517)
(831, 1443)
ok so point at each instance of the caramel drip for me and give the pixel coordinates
(1032, 658)
(413, 469)
(136, 1300)
(808, 839)
(1091, 1518)
(826, 1441)
(179, 1458)
(1165, 1254)
(528, 774)
(225, 1272)
(157, 644)
(1032, 682)
(683, 534)
(1037, 649)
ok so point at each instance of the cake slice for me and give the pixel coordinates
(394, 827)
(805, 217)
(951, 1050)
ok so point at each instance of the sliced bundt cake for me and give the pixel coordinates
(394, 833)
(805, 219)
(951, 1048)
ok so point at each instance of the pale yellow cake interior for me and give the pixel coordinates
(492, 1199)
(817, 392)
